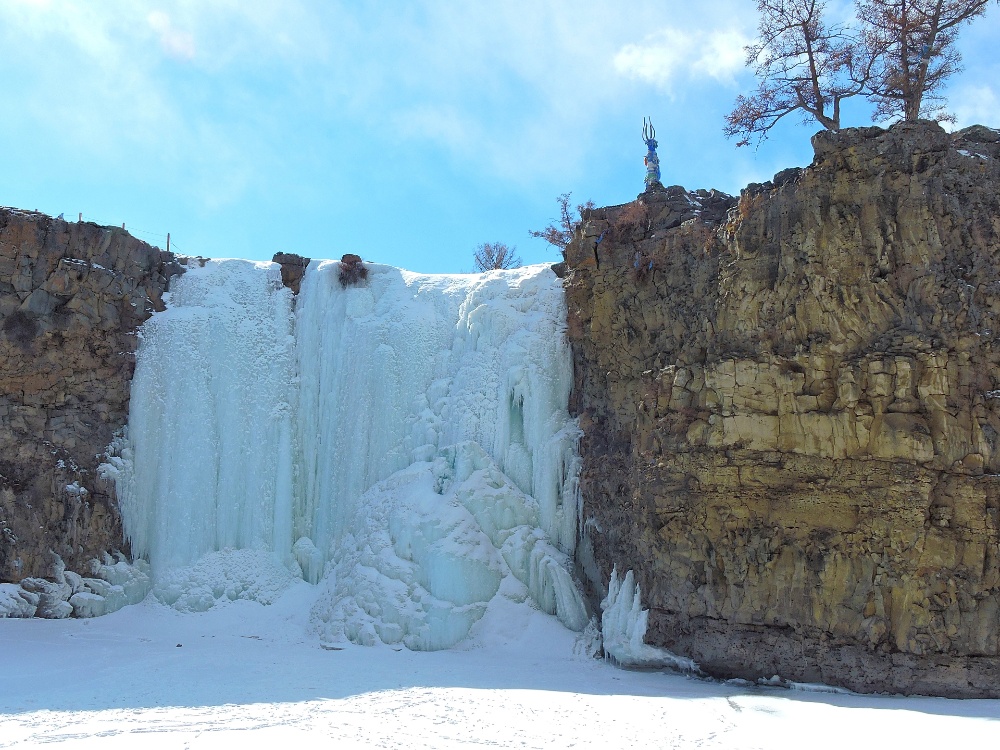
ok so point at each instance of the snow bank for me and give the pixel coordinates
(224, 576)
(406, 441)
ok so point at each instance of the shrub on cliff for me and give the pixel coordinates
(352, 270)
(20, 328)
(560, 231)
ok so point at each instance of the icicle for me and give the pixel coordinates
(623, 626)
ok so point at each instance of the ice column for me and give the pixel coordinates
(210, 421)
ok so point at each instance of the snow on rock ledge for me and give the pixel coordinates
(115, 584)
(16, 602)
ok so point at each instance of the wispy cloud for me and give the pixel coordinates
(976, 105)
(93, 83)
(518, 92)
(671, 55)
(174, 42)
(488, 83)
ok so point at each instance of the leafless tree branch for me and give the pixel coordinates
(493, 256)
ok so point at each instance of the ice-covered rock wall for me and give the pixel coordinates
(406, 442)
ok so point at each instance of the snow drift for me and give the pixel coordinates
(404, 443)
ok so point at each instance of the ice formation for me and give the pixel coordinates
(405, 443)
(16, 602)
(114, 585)
(623, 627)
(435, 541)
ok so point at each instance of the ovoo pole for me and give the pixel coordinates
(652, 161)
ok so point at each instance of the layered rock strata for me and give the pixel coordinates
(791, 414)
(71, 298)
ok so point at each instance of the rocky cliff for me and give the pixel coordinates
(791, 413)
(790, 406)
(71, 298)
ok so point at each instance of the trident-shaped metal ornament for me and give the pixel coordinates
(652, 161)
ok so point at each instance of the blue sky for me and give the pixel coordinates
(407, 132)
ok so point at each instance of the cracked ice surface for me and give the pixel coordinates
(405, 442)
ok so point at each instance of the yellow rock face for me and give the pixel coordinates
(791, 414)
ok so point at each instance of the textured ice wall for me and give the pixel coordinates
(429, 548)
(210, 419)
(391, 371)
(258, 427)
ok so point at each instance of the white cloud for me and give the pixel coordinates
(670, 54)
(86, 54)
(723, 55)
(89, 83)
(445, 125)
(175, 43)
(976, 105)
(658, 60)
(518, 91)
(510, 90)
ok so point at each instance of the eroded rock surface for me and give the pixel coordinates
(791, 415)
(293, 268)
(71, 298)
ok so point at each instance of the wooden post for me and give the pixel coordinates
(168, 242)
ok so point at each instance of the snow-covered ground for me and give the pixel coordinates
(150, 676)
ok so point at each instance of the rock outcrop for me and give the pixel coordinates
(791, 414)
(293, 268)
(71, 298)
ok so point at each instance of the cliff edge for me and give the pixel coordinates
(71, 298)
(791, 411)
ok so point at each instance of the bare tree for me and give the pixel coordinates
(913, 45)
(492, 256)
(803, 65)
(560, 232)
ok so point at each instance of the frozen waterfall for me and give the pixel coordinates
(405, 444)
